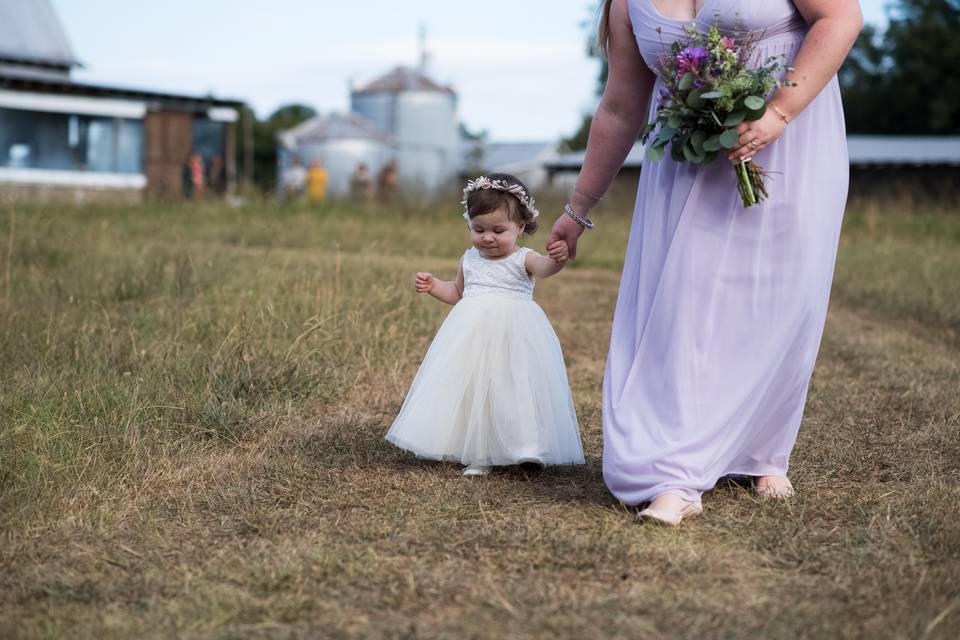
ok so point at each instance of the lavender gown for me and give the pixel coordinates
(721, 308)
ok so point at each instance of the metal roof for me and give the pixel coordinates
(402, 79)
(863, 150)
(503, 156)
(916, 150)
(333, 126)
(30, 32)
(68, 87)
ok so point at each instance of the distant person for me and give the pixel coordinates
(387, 182)
(217, 175)
(361, 186)
(317, 179)
(294, 179)
(193, 178)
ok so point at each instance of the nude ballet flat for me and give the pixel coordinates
(670, 517)
(775, 487)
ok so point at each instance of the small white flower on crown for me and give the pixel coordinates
(483, 182)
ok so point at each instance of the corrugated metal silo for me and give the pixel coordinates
(421, 115)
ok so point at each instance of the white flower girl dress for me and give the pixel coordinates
(492, 389)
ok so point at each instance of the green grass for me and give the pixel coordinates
(193, 402)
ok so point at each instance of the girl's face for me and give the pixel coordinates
(494, 234)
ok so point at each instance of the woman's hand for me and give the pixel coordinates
(756, 135)
(565, 229)
(424, 282)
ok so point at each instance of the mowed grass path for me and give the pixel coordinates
(192, 412)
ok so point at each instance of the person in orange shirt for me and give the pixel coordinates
(317, 178)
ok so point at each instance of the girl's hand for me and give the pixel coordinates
(424, 282)
(568, 230)
(756, 135)
(559, 252)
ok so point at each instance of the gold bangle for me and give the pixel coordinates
(779, 112)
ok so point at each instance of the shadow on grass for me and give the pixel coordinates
(362, 446)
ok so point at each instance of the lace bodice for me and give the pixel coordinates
(504, 277)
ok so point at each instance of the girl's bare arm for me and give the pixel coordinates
(546, 266)
(449, 291)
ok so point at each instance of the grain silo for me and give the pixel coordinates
(341, 142)
(421, 116)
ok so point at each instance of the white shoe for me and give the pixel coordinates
(774, 487)
(669, 510)
(477, 470)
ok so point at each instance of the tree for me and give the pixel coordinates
(905, 80)
(578, 141)
(265, 141)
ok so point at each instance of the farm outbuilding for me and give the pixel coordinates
(340, 142)
(59, 137)
(402, 116)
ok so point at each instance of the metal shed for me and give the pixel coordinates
(341, 141)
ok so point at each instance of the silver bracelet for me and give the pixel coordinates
(583, 221)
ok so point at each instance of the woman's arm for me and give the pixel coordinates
(449, 291)
(546, 266)
(616, 124)
(834, 25)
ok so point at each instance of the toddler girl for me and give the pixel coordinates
(492, 389)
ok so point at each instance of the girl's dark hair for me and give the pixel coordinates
(603, 32)
(484, 201)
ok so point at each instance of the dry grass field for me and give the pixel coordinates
(192, 408)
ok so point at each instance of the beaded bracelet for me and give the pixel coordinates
(583, 221)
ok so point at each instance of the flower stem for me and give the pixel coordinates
(744, 178)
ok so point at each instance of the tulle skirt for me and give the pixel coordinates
(492, 390)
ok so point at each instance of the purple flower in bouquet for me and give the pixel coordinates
(664, 100)
(690, 59)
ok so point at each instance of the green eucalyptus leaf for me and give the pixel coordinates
(674, 121)
(711, 95)
(654, 153)
(676, 152)
(695, 99)
(712, 143)
(691, 155)
(734, 118)
(753, 103)
(665, 133)
(729, 138)
(697, 139)
(716, 118)
(686, 81)
(756, 115)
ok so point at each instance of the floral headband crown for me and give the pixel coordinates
(516, 190)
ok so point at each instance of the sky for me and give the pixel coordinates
(519, 66)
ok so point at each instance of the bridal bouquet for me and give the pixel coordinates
(707, 91)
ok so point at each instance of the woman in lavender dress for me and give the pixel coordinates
(721, 308)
